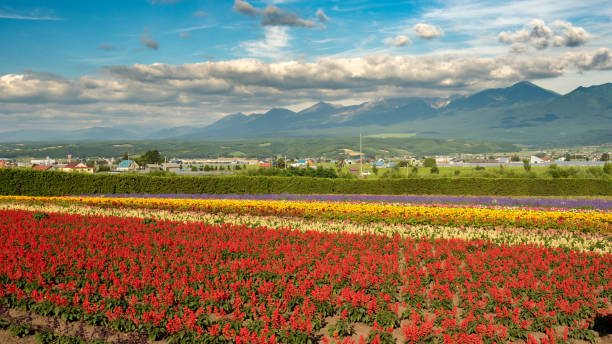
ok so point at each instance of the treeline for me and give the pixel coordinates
(42, 183)
(318, 172)
(298, 148)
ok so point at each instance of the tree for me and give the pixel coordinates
(434, 170)
(281, 163)
(605, 157)
(429, 162)
(375, 169)
(526, 165)
(515, 158)
(607, 168)
(150, 157)
(126, 156)
(568, 157)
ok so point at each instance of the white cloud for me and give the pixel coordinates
(199, 13)
(427, 31)
(246, 8)
(34, 15)
(323, 18)
(276, 39)
(272, 15)
(184, 35)
(201, 92)
(541, 36)
(398, 41)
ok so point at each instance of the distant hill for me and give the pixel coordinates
(523, 113)
(347, 147)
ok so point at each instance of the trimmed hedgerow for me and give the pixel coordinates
(45, 183)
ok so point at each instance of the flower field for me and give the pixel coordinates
(308, 271)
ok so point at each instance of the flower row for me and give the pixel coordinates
(196, 282)
(366, 212)
(571, 240)
(485, 200)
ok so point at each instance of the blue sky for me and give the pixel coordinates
(188, 62)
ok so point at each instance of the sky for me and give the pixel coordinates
(167, 63)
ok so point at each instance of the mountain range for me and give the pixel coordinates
(523, 113)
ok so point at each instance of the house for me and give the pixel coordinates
(535, 160)
(504, 160)
(42, 167)
(267, 163)
(127, 165)
(47, 161)
(303, 162)
(443, 160)
(77, 166)
(171, 167)
(380, 163)
(152, 167)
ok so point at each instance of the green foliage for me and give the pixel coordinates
(40, 216)
(46, 337)
(605, 157)
(429, 162)
(515, 158)
(149, 157)
(434, 170)
(319, 172)
(52, 183)
(342, 328)
(607, 169)
(21, 330)
(526, 165)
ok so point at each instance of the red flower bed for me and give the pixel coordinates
(214, 284)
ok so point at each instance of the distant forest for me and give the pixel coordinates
(257, 148)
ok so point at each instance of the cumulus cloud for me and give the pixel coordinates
(199, 13)
(600, 59)
(272, 15)
(106, 47)
(246, 8)
(148, 40)
(323, 18)
(427, 31)
(541, 36)
(398, 41)
(203, 91)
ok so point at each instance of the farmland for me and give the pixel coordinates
(298, 269)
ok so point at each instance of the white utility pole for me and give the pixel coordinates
(360, 155)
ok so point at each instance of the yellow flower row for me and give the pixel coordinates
(572, 240)
(365, 212)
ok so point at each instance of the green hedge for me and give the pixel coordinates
(41, 183)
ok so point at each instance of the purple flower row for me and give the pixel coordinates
(486, 200)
